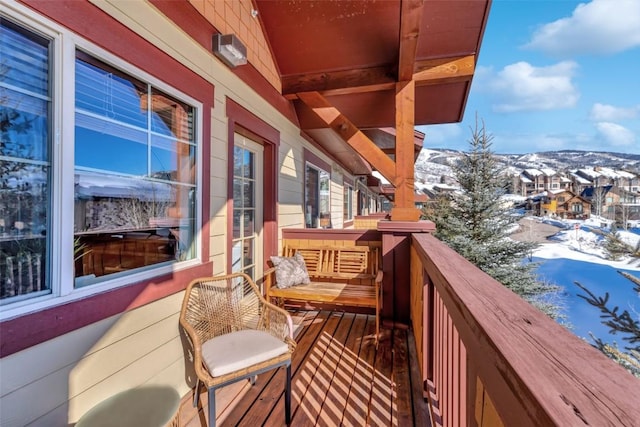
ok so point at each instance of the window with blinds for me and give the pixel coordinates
(348, 203)
(25, 162)
(135, 174)
(98, 168)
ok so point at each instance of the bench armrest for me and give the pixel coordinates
(379, 276)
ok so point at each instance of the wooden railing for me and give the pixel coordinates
(488, 358)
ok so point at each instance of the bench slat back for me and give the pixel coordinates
(345, 262)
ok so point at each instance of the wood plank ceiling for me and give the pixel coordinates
(351, 67)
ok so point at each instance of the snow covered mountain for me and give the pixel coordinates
(434, 165)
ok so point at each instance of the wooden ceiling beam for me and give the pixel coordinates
(410, 20)
(425, 72)
(434, 71)
(345, 81)
(349, 133)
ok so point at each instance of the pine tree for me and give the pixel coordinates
(622, 323)
(614, 247)
(476, 224)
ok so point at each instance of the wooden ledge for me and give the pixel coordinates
(423, 226)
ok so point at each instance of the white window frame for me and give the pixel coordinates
(63, 55)
(348, 193)
(320, 170)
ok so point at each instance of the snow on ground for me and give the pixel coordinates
(584, 245)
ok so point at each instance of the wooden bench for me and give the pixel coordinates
(341, 275)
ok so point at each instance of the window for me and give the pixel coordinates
(576, 208)
(135, 159)
(316, 194)
(25, 162)
(348, 203)
(125, 154)
(561, 199)
(247, 207)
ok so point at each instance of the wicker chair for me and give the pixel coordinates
(234, 334)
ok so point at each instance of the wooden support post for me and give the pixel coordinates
(404, 209)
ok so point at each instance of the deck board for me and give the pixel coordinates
(356, 409)
(338, 378)
(269, 387)
(402, 410)
(380, 403)
(337, 395)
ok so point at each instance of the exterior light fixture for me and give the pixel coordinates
(229, 49)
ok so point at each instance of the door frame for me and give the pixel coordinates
(257, 150)
(242, 121)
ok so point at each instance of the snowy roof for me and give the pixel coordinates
(610, 173)
(525, 179)
(89, 184)
(382, 179)
(533, 172)
(445, 187)
(548, 172)
(580, 179)
(590, 173)
(559, 191)
(626, 174)
(513, 197)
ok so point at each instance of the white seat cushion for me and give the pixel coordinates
(238, 350)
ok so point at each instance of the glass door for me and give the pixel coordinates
(247, 207)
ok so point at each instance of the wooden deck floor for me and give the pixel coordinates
(339, 378)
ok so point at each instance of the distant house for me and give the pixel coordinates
(598, 177)
(525, 185)
(617, 178)
(533, 181)
(561, 203)
(578, 182)
(571, 206)
(622, 205)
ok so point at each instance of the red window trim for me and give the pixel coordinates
(316, 161)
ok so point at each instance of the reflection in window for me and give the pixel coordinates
(135, 174)
(317, 201)
(348, 203)
(25, 164)
(243, 256)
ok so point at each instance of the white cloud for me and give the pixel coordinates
(481, 78)
(523, 87)
(615, 134)
(610, 113)
(598, 27)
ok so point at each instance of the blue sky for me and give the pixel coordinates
(555, 75)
